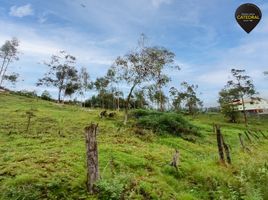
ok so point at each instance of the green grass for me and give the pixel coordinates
(48, 160)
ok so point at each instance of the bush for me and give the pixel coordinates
(26, 93)
(164, 122)
(46, 96)
(110, 189)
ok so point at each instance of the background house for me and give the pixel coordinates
(254, 105)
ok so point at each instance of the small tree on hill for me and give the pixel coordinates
(12, 78)
(84, 82)
(187, 96)
(8, 54)
(62, 74)
(156, 96)
(162, 58)
(140, 100)
(46, 96)
(243, 86)
(101, 85)
(228, 106)
(138, 67)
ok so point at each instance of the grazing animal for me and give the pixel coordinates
(103, 114)
(112, 114)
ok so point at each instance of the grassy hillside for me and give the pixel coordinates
(48, 160)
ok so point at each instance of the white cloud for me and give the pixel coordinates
(158, 3)
(21, 11)
(214, 78)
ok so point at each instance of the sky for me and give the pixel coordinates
(204, 35)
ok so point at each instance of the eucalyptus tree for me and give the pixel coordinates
(156, 96)
(139, 96)
(243, 85)
(101, 85)
(8, 53)
(84, 82)
(62, 74)
(162, 59)
(188, 96)
(227, 97)
(141, 66)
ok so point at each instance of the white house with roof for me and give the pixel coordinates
(254, 105)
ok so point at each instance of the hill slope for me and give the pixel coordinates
(48, 160)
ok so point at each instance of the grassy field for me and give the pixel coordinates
(48, 160)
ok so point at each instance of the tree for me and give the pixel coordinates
(227, 99)
(140, 100)
(156, 96)
(84, 82)
(176, 98)
(137, 68)
(243, 86)
(188, 96)
(8, 54)
(162, 58)
(118, 95)
(46, 96)
(101, 85)
(110, 76)
(62, 74)
(12, 78)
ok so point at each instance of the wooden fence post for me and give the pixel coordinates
(92, 156)
(176, 159)
(253, 134)
(262, 134)
(219, 142)
(242, 143)
(227, 151)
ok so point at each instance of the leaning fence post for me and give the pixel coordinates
(227, 151)
(242, 142)
(219, 142)
(247, 136)
(263, 134)
(92, 156)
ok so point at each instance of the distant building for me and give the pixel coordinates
(254, 105)
(2, 89)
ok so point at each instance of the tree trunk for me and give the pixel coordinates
(59, 95)
(244, 112)
(2, 66)
(92, 156)
(4, 71)
(102, 102)
(118, 104)
(161, 101)
(127, 103)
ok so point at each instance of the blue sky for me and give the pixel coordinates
(203, 34)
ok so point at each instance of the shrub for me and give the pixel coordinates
(46, 96)
(164, 122)
(111, 189)
(26, 93)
